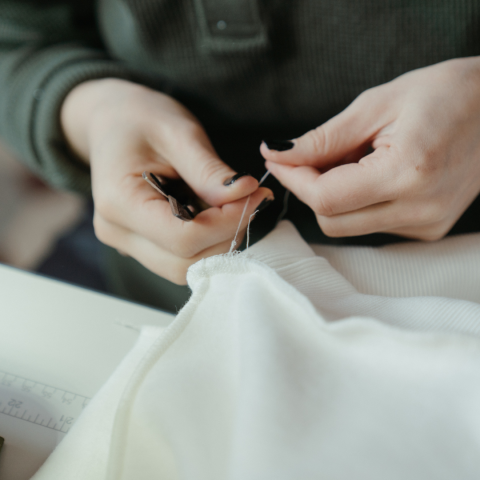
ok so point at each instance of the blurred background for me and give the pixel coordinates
(44, 230)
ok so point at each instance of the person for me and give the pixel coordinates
(374, 112)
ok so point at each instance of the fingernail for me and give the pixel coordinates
(279, 145)
(232, 180)
(264, 204)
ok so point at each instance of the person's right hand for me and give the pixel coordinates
(122, 129)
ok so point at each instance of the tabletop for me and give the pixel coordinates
(58, 344)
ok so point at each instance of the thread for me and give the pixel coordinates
(248, 227)
(234, 241)
(267, 173)
(124, 324)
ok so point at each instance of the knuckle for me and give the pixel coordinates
(324, 205)
(103, 203)
(178, 275)
(102, 231)
(210, 168)
(190, 129)
(174, 270)
(427, 170)
(375, 96)
(428, 213)
(179, 249)
(367, 95)
(183, 247)
(319, 140)
(434, 232)
(330, 228)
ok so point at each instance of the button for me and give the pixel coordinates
(221, 25)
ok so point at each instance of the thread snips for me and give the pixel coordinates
(184, 203)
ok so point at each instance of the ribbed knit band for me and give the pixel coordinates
(34, 128)
(413, 286)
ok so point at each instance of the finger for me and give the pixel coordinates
(340, 136)
(148, 214)
(353, 157)
(196, 161)
(382, 217)
(429, 233)
(405, 218)
(344, 188)
(153, 257)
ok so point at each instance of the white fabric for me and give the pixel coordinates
(448, 268)
(278, 368)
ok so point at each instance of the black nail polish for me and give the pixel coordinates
(232, 180)
(264, 204)
(279, 145)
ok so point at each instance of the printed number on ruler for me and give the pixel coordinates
(37, 403)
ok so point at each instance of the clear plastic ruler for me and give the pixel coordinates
(34, 402)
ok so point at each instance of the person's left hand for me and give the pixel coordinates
(424, 171)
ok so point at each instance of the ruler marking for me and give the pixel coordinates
(39, 424)
(71, 403)
(44, 384)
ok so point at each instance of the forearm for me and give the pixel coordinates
(39, 66)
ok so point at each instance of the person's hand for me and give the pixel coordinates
(424, 128)
(123, 129)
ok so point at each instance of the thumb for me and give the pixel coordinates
(197, 162)
(340, 136)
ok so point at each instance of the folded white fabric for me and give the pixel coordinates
(278, 368)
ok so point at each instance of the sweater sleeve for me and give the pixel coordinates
(47, 47)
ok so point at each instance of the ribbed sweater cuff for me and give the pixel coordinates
(60, 70)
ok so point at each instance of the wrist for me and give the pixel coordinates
(86, 108)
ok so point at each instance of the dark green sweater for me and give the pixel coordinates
(247, 68)
(269, 64)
